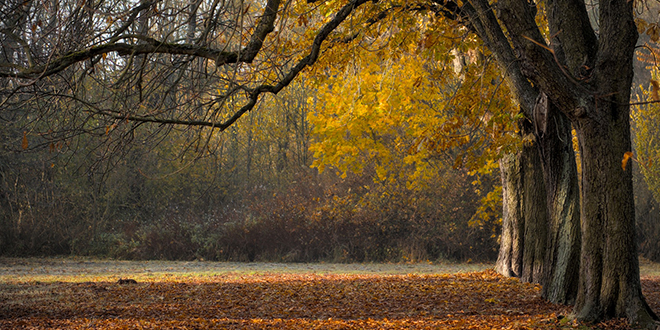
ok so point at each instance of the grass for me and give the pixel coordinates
(74, 269)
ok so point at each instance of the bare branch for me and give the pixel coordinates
(266, 25)
(151, 46)
(254, 93)
(537, 62)
(485, 24)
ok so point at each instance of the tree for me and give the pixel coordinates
(258, 48)
(588, 79)
(540, 240)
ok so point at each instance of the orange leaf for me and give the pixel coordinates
(24, 144)
(626, 156)
(655, 87)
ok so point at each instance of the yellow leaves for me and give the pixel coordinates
(646, 121)
(653, 32)
(372, 108)
(398, 112)
(363, 109)
(302, 20)
(650, 29)
(642, 25)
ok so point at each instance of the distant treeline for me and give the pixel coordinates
(249, 193)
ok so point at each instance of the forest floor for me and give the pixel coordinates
(76, 293)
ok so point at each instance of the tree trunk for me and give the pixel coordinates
(509, 260)
(540, 231)
(609, 280)
(555, 141)
(609, 274)
(535, 215)
(559, 203)
(525, 217)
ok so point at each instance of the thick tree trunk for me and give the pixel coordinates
(509, 260)
(525, 217)
(535, 216)
(560, 279)
(540, 240)
(609, 280)
(609, 273)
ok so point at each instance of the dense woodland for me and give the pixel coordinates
(251, 193)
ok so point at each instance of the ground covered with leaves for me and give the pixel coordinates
(287, 299)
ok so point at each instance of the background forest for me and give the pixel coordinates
(381, 156)
(254, 192)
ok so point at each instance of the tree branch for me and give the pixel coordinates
(538, 61)
(485, 24)
(152, 46)
(254, 93)
(618, 36)
(266, 25)
(573, 39)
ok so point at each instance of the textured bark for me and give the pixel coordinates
(609, 276)
(525, 218)
(509, 260)
(609, 281)
(540, 240)
(535, 215)
(561, 272)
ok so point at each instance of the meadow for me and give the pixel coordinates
(80, 293)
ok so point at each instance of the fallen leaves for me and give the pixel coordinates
(480, 300)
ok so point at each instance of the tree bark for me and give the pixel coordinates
(509, 260)
(609, 276)
(561, 272)
(540, 231)
(525, 217)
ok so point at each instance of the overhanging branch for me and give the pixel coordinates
(150, 46)
(254, 93)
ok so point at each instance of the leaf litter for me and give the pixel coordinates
(291, 300)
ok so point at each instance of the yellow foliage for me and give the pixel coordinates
(397, 112)
(646, 134)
